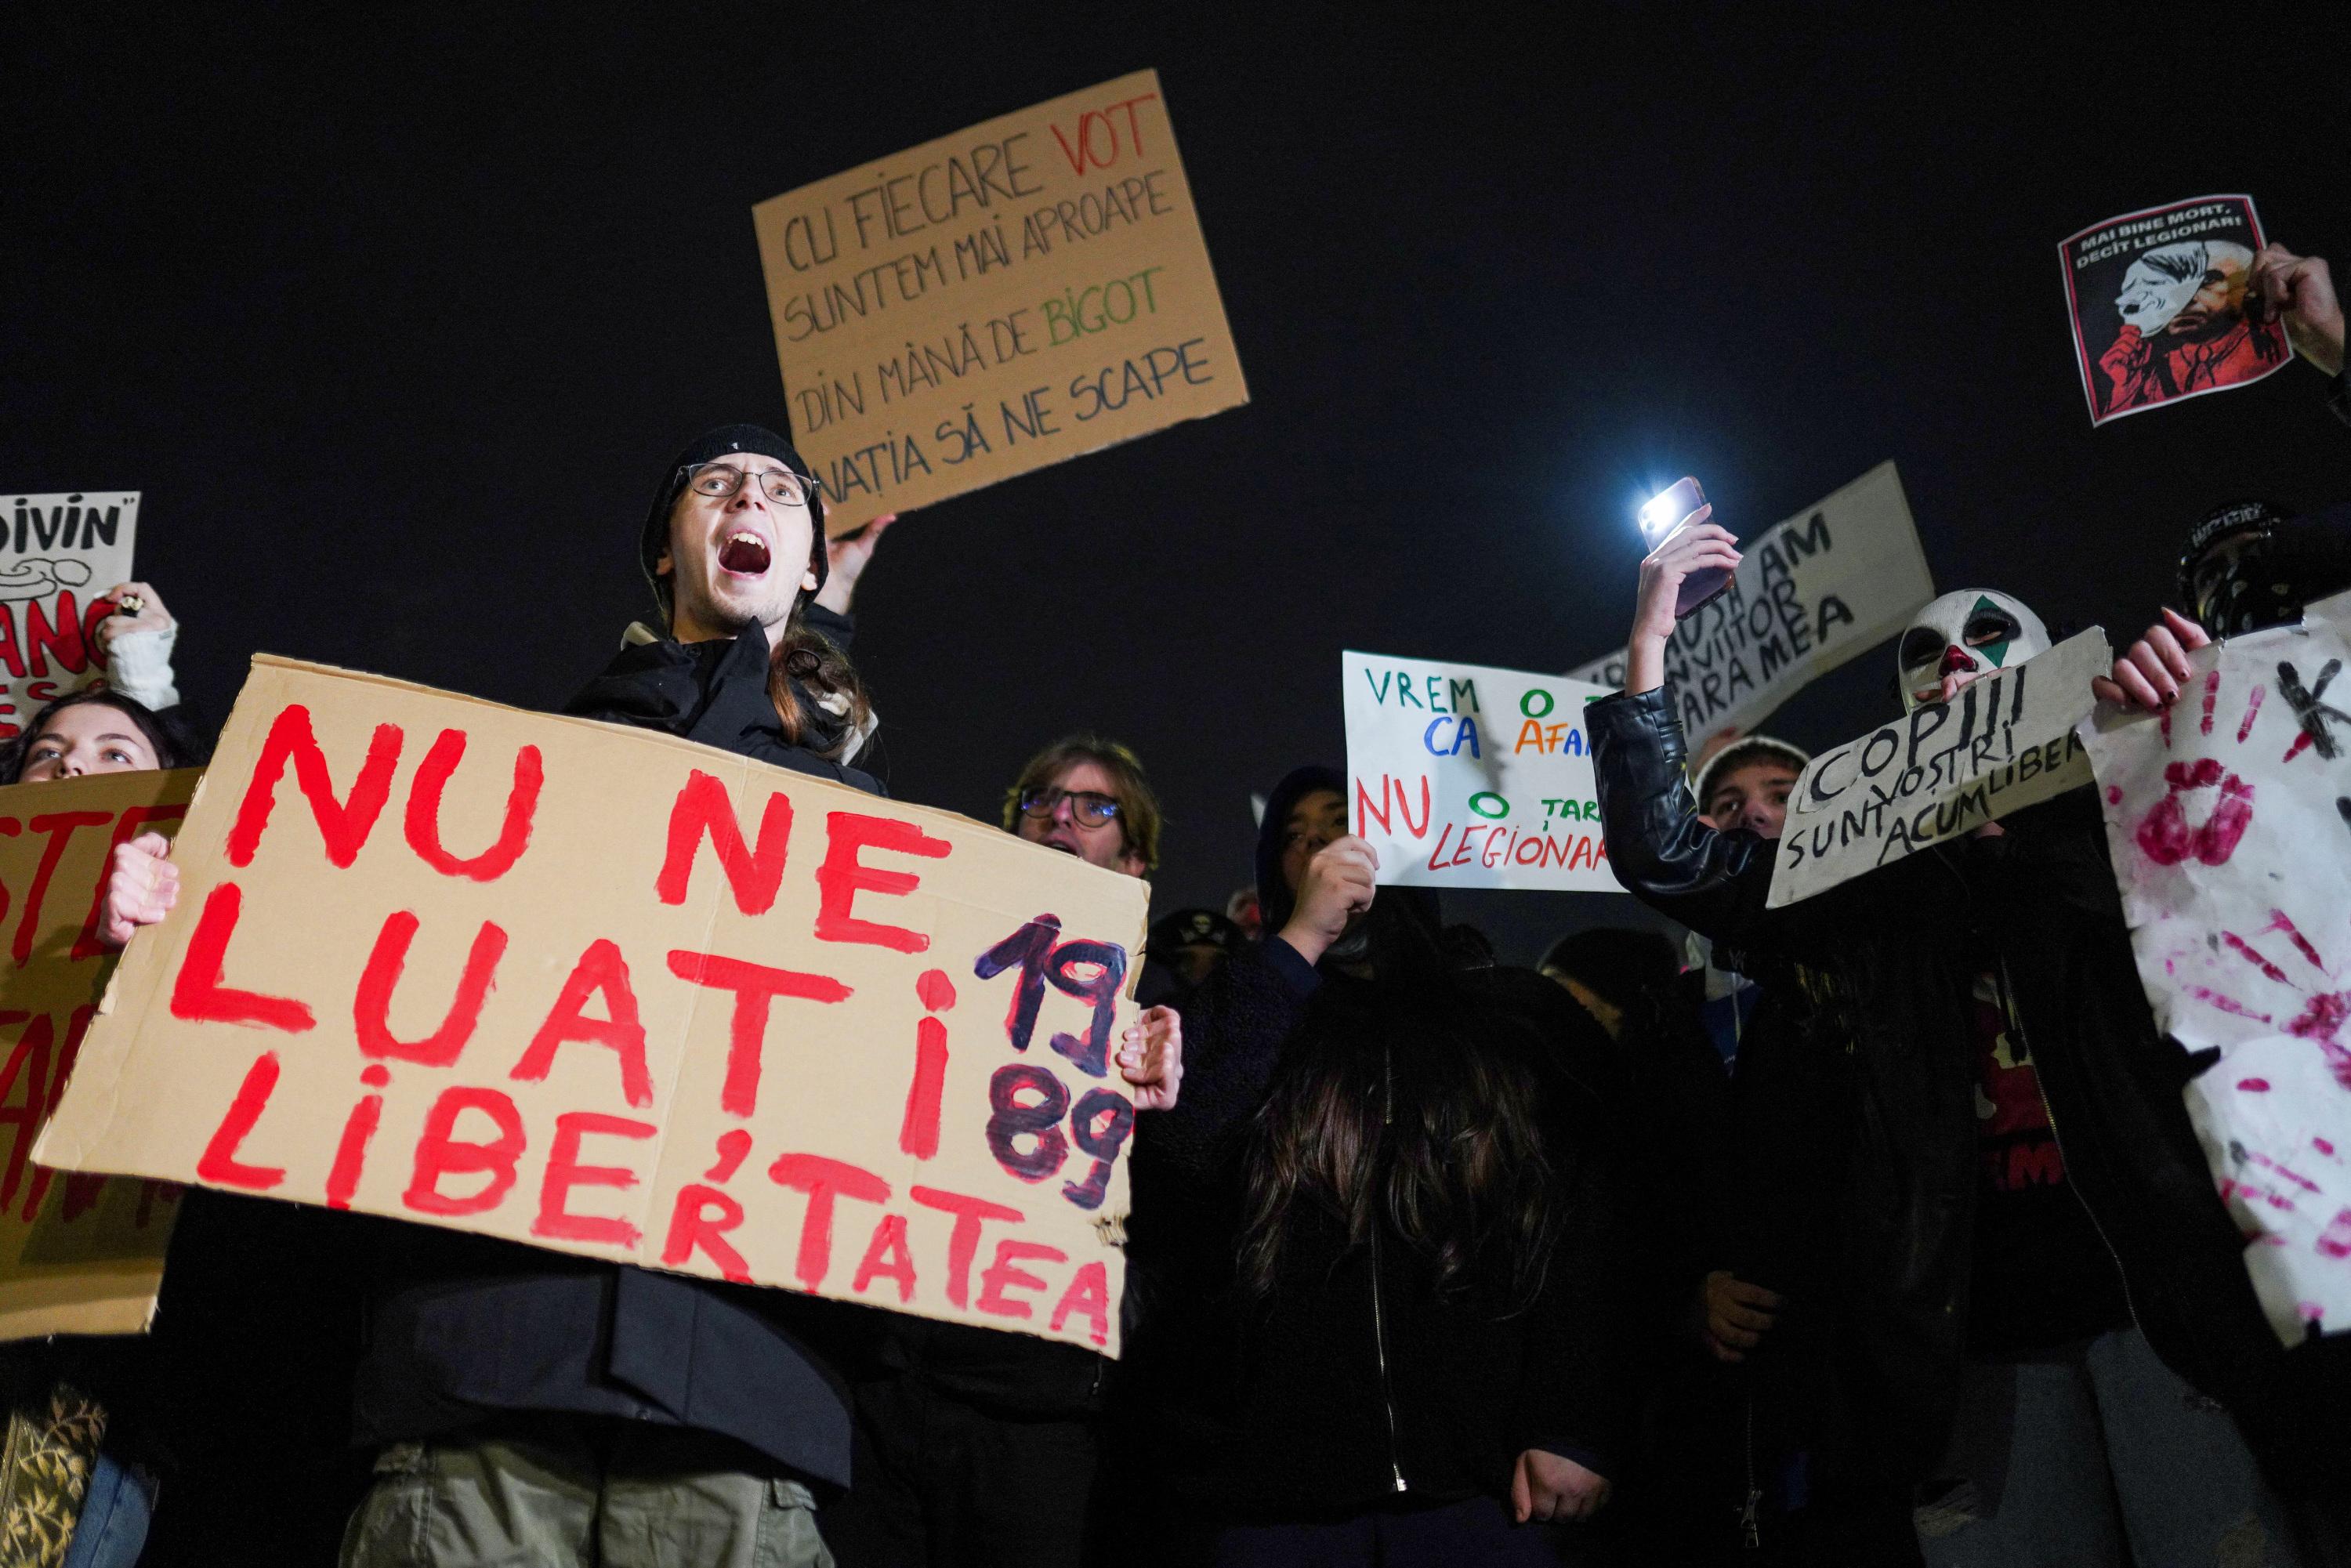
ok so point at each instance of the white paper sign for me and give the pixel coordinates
(1836, 579)
(2230, 822)
(58, 554)
(2004, 743)
(1462, 775)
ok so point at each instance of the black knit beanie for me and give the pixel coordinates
(715, 444)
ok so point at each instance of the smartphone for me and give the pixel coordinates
(1661, 519)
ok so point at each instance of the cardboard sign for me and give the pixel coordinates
(612, 993)
(1833, 581)
(78, 1254)
(2229, 818)
(1012, 296)
(1463, 776)
(2157, 299)
(2006, 742)
(58, 554)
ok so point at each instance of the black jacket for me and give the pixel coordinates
(1354, 1380)
(475, 1326)
(2043, 894)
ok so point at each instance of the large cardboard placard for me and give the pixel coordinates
(2156, 302)
(619, 995)
(78, 1254)
(59, 553)
(1006, 298)
(1834, 581)
(1463, 776)
(2005, 742)
(2229, 818)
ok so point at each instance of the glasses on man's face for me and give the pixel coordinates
(1091, 808)
(724, 481)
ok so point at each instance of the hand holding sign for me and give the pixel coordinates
(1339, 884)
(2149, 675)
(142, 886)
(1151, 1057)
(2299, 291)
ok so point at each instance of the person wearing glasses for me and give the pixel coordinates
(976, 1446)
(532, 1407)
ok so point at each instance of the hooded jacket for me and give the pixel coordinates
(476, 1326)
(2045, 893)
(1357, 1381)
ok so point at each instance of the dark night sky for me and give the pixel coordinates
(396, 323)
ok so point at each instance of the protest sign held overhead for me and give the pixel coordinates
(1012, 296)
(2158, 302)
(619, 995)
(2007, 741)
(2229, 818)
(78, 1254)
(1461, 776)
(59, 553)
(1833, 581)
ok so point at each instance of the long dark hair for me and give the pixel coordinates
(1420, 1118)
(168, 751)
(809, 657)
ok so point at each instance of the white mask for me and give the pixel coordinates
(2159, 284)
(1969, 633)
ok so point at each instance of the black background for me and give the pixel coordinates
(396, 321)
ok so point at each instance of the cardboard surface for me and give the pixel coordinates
(58, 553)
(2155, 300)
(1012, 296)
(1463, 776)
(2229, 818)
(78, 1254)
(1833, 582)
(2005, 742)
(612, 993)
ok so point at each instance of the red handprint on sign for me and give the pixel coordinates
(2165, 836)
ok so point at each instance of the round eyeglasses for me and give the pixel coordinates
(725, 481)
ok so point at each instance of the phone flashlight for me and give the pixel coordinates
(1665, 515)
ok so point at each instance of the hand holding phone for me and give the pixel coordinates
(1663, 517)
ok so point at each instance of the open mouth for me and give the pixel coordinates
(1058, 843)
(745, 554)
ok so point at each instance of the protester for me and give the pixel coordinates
(1191, 944)
(88, 1499)
(1382, 1329)
(2006, 950)
(976, 1446)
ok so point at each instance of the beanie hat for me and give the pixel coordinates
(653, 542)
(1747, 748)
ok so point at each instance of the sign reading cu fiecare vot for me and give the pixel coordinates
(1943, 770)
(1012, 296)
(1465, 775)
(612, 993)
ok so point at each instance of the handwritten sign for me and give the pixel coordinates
(78, 1254)
(58, 554)
(2004, 743)
(2229, 818)
(1836, 579)
(615, 994)
(1014, 295)
(1463, 776)
(2156, 300)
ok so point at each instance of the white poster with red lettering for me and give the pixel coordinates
(59, 555)
(2229, 820)
(612, 993)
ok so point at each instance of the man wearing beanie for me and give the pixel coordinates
(530, 1408)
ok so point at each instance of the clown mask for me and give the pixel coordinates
(1962, 636)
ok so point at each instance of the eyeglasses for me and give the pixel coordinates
(725, 481)
(1091, 808)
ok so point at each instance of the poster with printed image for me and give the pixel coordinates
(2157, 299)
(59, 553)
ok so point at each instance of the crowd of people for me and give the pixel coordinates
(1766, 1249)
